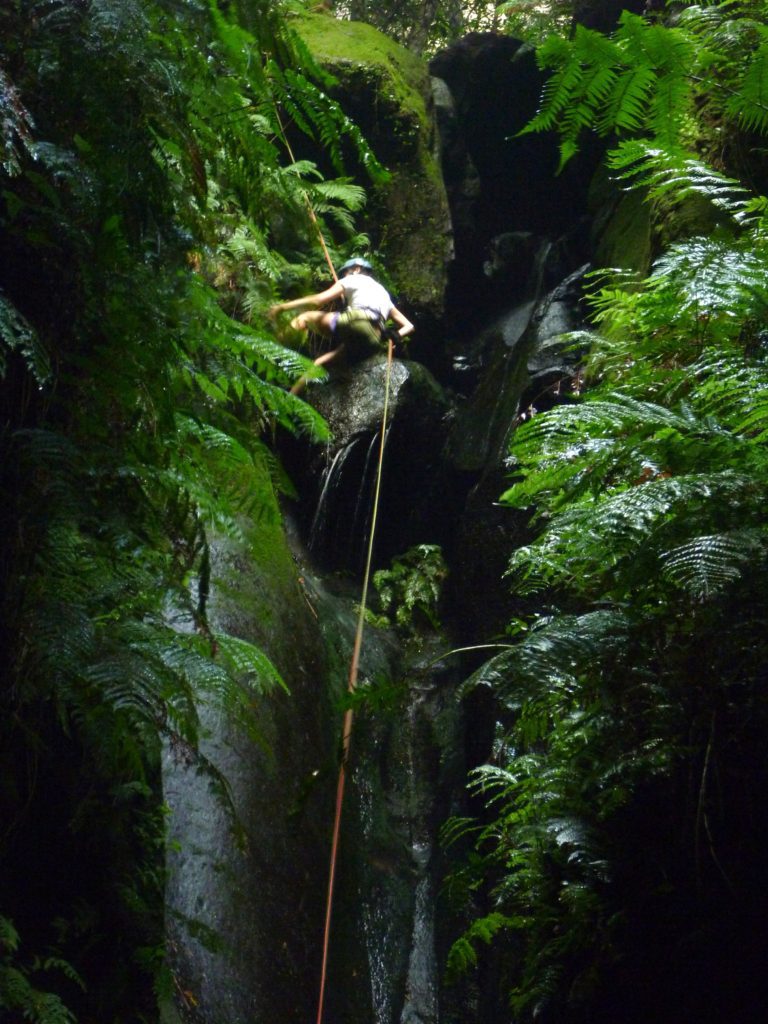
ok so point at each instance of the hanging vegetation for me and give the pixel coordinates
(621, 853)
(148, 211)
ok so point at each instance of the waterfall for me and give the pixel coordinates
(330, 485)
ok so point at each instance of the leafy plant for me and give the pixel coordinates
(412, 587)
(18, 995)
(148, 211)
(667, 82)
(617, 835)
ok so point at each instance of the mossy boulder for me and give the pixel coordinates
(386, 91)
(622, 233)
(232, 904)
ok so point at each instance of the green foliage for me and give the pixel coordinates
(463, 954)
(652, 529)
(619, 799)
(149, 211)
(669, 83)
(17, 333)
(412, 587)
(18, 994)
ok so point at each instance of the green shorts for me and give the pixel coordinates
(358, 333)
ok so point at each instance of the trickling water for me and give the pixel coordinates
(421, 1005)
(331, 477)
(420, 1002)
(363, 497)
(377, 921)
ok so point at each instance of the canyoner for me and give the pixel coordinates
(360, 329)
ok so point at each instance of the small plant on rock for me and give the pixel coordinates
(411, 589)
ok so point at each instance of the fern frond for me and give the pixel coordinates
(706, 565)
(749, 104)
(315, 112)
(237, 43)
(340, 190)
(712, 276)
(560, 86)
(628, 103)
(248, 243)
(735, 392)
(628, 526)
(9, 937)
(249, 664)
(672, 178)
(15, 127)
(670, 107)
(555, 650)
(230, 480)
(664, 48)
(462, 955)
(16, 332)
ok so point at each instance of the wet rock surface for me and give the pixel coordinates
(339, 479)
(243, 900)
(353, 401)
(523, 244)
(501, 185)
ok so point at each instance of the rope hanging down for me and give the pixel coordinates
(307, 200)
(346, 733)
(351, 686)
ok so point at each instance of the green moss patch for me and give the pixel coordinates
(386, 90)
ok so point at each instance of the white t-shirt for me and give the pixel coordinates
(362, 292)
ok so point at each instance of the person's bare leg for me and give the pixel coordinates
(314, 320)
(326, 357)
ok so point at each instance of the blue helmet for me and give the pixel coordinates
(356, 262)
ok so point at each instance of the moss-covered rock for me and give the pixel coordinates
(621, 227)
(230, 905)
(386, 90)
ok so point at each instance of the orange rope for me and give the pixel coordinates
(308, 201)
(351, 686)
(346, 734)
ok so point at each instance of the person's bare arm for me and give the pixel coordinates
(318, 299)
(402, 321)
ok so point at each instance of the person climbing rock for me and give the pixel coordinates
(359, 330)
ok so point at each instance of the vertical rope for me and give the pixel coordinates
(346, 734)
(307, 200)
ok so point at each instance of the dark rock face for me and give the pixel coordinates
(385, 89)
(523, 242)
(522, 247)
(244, 905)
(339, 479)
(500, 184)
(406, 769)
